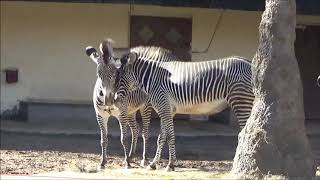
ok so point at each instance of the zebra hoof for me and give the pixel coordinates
(151, 167)
(102, 167)
(143, 163)
(169, 168)
(127, 166)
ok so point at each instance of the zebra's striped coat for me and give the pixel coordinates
(186, 87)
(104, 108)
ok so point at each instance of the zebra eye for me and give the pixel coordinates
(100, 93)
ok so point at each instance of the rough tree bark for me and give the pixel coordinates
(274, 139)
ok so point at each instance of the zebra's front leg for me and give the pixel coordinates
(103, 125)
(134, 135)
(166, 129)
(167, 126)
(160, 143)
(146, 116)
(124, 142)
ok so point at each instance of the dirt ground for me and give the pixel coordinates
(199, 157)
(35, 162)
(38, 154)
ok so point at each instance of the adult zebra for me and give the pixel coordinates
(104, 107)
(185, 87)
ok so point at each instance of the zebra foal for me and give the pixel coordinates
(104, 107)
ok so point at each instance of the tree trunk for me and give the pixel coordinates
(274, 139)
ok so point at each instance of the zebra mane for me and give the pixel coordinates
(241, 58)
(152, 53)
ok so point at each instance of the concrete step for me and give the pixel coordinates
(58, 112)
(35, 110)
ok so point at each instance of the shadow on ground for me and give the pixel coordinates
(189, 148)
(211, 148)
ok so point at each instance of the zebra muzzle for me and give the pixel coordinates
(108, 109)
(109, 100)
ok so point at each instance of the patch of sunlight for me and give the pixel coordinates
(84, 169)
(138, 173)
(83, 166)
(271, 177)
(180, 173)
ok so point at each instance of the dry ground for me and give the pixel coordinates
(42, 162)
(199, 157)
(80, 165)
(24, 153)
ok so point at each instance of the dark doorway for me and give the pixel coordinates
(171, 33)
(174, 34)
(307, 48)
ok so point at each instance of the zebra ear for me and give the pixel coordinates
(92, 53)
(106, 49)
(132, 57)
(124, 60)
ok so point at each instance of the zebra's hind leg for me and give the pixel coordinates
(171, 144)
(241, 104)
(146, 116)
(103, 125)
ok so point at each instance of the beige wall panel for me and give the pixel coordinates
(46, 42)
(236, 34)
(308, 20)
